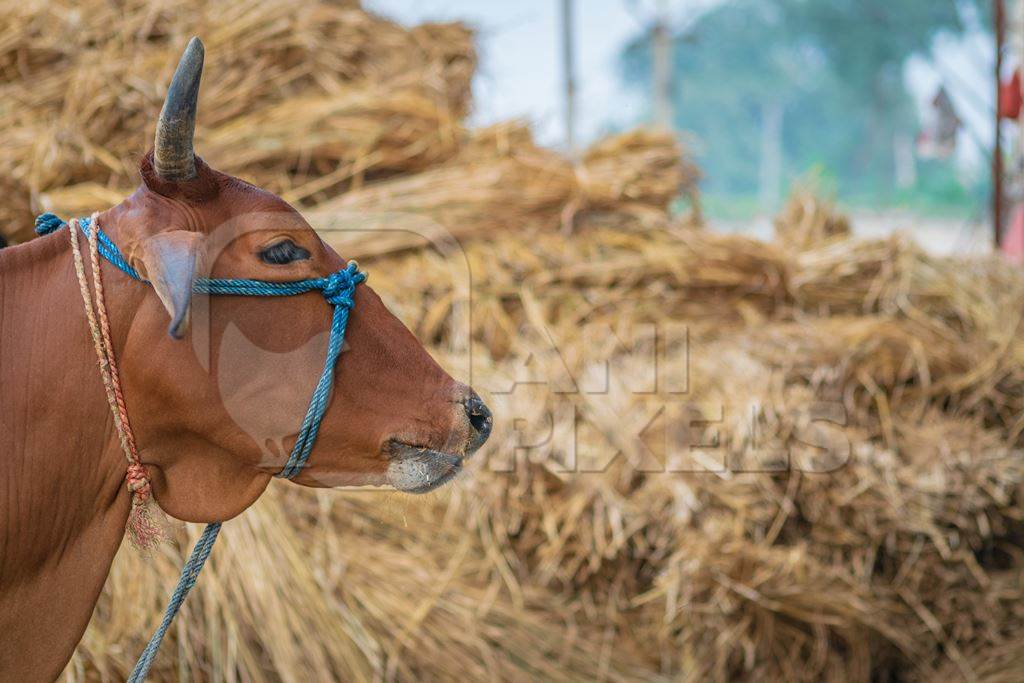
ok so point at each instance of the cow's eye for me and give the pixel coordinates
(283, 252)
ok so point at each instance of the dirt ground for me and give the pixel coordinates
(940, 236)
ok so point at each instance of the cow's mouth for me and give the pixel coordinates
(417, 469)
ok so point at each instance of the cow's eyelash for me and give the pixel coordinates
(283, 252)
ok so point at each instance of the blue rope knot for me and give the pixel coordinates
(47, 223)
(340, 286)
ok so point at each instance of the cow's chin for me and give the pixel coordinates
(415, 469)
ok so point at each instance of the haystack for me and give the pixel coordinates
(501, 181)
(808, 219)
(889, 552)
(332, 93)
(642, 167)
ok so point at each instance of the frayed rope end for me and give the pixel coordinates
(146, 521)
(145, 530)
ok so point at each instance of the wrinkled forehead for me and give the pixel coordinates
(253, 217)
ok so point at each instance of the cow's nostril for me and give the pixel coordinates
(479, 419)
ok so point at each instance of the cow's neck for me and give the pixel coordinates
(63, 503)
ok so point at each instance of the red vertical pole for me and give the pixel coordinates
(997, 152)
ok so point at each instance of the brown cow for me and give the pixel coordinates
(395, 416)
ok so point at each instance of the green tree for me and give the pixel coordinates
(833, 69)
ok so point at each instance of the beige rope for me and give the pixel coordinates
(142, 528)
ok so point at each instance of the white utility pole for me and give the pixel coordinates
(569, 73)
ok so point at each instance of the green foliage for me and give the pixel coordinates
(865, 41)
(834, 66)
(939, 192)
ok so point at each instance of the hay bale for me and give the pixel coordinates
(1000, 663)
(416, 603)
(474, 195)
(500, 181)
(333, 94)
(916, 526)
(735, 609)
(808, 220)
(642, 166)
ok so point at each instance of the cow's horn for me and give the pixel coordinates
(173, 158)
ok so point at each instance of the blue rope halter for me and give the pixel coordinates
(338, 289)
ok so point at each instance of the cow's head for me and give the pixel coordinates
(216, 404)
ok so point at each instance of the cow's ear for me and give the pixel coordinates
(169, 260)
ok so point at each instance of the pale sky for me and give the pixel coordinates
(520, 66)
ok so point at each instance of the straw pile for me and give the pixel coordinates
(501, 181)
(806, 220)
(300, 98)
(893, 551)
(822, 479)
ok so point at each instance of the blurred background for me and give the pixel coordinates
(740, 280)
(888, 106)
